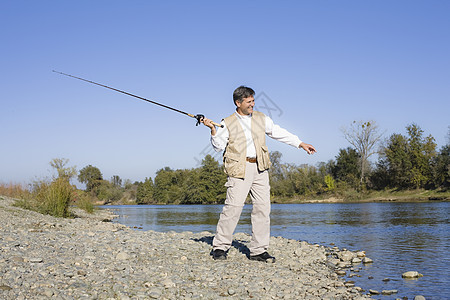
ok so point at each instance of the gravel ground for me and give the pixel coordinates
(89, 257)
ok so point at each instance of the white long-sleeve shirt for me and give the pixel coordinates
(220, 140)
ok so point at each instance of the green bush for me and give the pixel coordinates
(53, 198)
(329, 181)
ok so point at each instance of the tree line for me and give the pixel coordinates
(203, 185)
(410, 161)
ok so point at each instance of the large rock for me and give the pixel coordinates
(411, 274)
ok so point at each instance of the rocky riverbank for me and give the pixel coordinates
(42, 257)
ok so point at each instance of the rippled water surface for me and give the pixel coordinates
(399, 237)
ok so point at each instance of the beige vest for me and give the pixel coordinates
(234, 156)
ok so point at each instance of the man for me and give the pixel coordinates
(246, 162)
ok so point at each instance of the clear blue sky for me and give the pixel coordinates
(318, 65)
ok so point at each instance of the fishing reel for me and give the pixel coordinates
(199, 118)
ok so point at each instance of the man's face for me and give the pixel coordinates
(246, 106)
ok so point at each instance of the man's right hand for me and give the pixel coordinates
(208, 123)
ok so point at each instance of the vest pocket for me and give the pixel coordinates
(265, 158)
(231, 164)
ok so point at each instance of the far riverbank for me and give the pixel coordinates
(381, 196)
(348, 197)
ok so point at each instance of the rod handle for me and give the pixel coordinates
(217, 124)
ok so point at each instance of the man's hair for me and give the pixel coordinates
(242, 92)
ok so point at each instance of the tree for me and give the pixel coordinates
(304, 180)
(63, 172)
(211, 181)
(276, 170)
(442, 168)
(347, 166)
(116, 181)
(201, 185)
(195, 190)
(442, 165)
(107, 192)
(144, 194)
(168, 186)
(408, 160)
(422, 153)
(364, 136)
(395, 162)
(91, 176)
(284, 185)
(276, 174)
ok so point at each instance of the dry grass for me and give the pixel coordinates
(14, 190)
(52, 198)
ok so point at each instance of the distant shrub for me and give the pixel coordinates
(107, 192)
(83, 201)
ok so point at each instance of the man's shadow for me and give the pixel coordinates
(238, 244)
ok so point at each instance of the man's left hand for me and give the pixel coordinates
(308, 148)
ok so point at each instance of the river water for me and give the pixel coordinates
(399, 237)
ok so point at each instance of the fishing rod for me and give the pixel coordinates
(199, 117)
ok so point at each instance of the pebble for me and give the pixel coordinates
(122, 256)
(360, 254)
(389, 292)
(356, 260)
(367, 260)
(88, 258)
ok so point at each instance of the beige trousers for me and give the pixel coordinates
(257, 183)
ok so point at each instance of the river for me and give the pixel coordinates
(398, 236)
